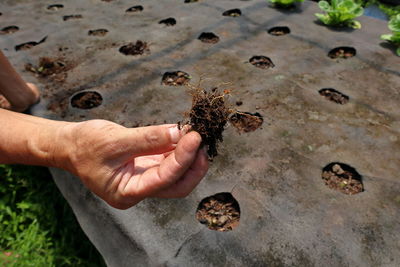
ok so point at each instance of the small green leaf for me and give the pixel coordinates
(355, 24)
(398, 51)
(386, 37)
(324, 5)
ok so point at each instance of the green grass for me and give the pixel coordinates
(37, 227)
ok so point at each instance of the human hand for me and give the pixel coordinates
(125, 165)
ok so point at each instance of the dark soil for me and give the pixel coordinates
(342, 52)
(29, 45)
(47, 66)
(191, 1)
(208, 116)
(134, 9)
(9, 29)
(55, 7)
(98, 32)
(208, 37)
(168, 22)
(69, 17)
(262, 62)
(334, 95)
(279, 31)
(232, 13)
(239, 103)
(131, 49)
(86, 100)
(220, 212)
(176, 78)
(343, 178)
(246, 122)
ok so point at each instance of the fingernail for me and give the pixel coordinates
(175, 134)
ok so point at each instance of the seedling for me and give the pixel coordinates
(285, 3)
(340, 13)
(394, 26)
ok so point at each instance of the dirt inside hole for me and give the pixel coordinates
(47, 67)
(29, 45)
(208, 37)
(86, 100)
(220, 212)
(133, 49)
(98, 32)
(191, 1)
(334, 95)
(342, 52)
(9, 29)
(208, 116)
(134, 9)
(176, 78)
(72, 17)
(168, 22)
(261, 62)
(55, 7)
(279, 31)
(245, 121)
(232, 12)
(343, 178)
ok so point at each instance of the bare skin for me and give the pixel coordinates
(121, 165)
(15, 94)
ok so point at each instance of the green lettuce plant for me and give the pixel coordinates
(285, 3)
(340, 13)
(394, 26)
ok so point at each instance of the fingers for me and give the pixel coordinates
(152, 140)
(190, 179)
(170, 170)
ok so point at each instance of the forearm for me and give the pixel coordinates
(30, 140)
(12, 86)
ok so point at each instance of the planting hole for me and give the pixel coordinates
(134, 9)
(208, 37)
(98, 32)
(342, 52)
(246, 121)
(220, 212)
(279, 31)
(191, 1)
(343, 178)
(55, 7)
(29, 45)
(262, 62)
(139, 48)
(168, 22)
(86, 100)
(47, 66)
(232, 13)
(69, 17)
(9, 29)
(176, 78)
(334, 95)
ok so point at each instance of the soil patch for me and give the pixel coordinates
(47, 66)
(334, 95)
(220, 212)
(208, 116)
(9, 29)
(261, 62)
(246, 122)
(176, 78)
(131, 49)
(71, 17)
(98, 32)
(342, 52)
(134, 9)
(55, 7)
(208, 37)
(191, 1)
(232, 12)
(343, 178)
(29, 45)
(168, 22)
(86, 100)
(279, 31)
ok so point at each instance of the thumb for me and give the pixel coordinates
(150, 140)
